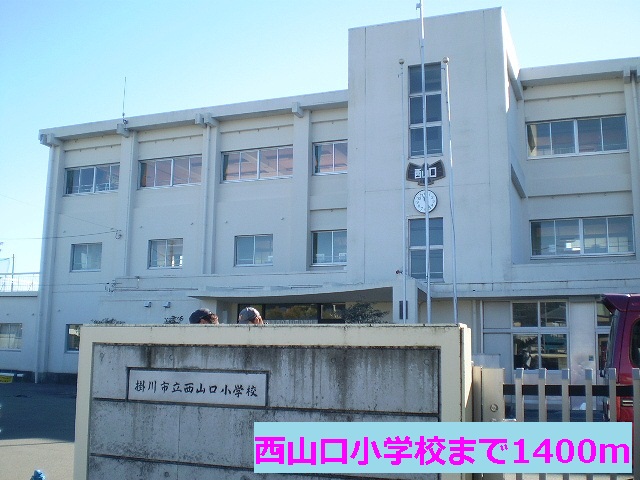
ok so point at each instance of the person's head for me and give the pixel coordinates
(203, 316)
(250, 316)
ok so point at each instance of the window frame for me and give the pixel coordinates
(434, 248)
(170, 244)
(316, 163)
(193, 162)
(260, 152)
(580, 238)
(68, 348)
(532, 139)
(434, 127)
(113, 186)
(332, 259)
(255, 255)
(540, 332)
(13, 338)
(76, 246)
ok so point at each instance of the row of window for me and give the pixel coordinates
(100, 178)
(539, 334)
(256, 164)
(328, 248)
(582, 236)
(168, 172)
(549, 238)
(573, 136)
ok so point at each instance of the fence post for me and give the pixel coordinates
(566, 404)
(519, 397)
(588, 386)
(519, 378)
(542, 395)
(588, 400)
(542, 403)
(566, 401)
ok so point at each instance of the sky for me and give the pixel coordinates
(64, 62)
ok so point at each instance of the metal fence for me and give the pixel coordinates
(19, 282)
(490, 404)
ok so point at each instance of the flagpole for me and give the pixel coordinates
(445, 62)
(404, 208)
(426, 168)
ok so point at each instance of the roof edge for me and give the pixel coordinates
(250, 109)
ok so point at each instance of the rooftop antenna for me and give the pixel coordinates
(124, 96)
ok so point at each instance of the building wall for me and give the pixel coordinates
(19, 308)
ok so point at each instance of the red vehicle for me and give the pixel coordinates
(623, 348)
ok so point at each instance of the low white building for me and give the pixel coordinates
(301, 206)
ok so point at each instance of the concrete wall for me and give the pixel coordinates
(304, 373)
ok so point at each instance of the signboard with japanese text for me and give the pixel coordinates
(202, 387)
(416, 173)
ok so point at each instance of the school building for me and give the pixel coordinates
(303, 206)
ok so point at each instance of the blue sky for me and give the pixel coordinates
(63, 62)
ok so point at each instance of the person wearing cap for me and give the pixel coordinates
(203, 316)
(250, 316)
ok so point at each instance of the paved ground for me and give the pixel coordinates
(37, 424)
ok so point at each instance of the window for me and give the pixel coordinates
(11, 336)
(329, 247)
(86, 257)
(330, 157)
(433, 89)
(569, 137)
(254, 250)
(582, 236)
(417, 250)
(101, 178)
(169, 172)
(73, 337)
(276, 162)
(165, 253)
(539, 335)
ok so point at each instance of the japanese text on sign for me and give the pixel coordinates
(204, 387)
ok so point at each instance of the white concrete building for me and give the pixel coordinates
(301, 205)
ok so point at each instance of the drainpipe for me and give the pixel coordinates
(47, 256)
(634, 89)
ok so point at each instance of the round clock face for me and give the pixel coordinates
(420, 202)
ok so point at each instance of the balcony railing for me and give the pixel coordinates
(19, 282)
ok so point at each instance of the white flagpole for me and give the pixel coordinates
(426, 167)
(404, 208)
(445, 62)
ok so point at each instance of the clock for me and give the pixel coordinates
(419, 200)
